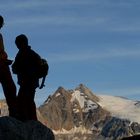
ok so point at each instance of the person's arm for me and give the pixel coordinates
(15, 65)
(3, 54)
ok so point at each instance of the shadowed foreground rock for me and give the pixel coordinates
(12, 129)
(137, 137)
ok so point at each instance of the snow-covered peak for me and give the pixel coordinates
(121, 107)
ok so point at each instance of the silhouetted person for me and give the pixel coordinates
(6, 80)
(24, 66)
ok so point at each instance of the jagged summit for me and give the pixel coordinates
(81, 93)
(61, 91)
(83, 89)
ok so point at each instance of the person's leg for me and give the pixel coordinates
(22, 104)
(26, 104)
(9, 89)
(32, 107)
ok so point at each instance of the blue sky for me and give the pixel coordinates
(94, 42)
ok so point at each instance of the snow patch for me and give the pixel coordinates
(58, 94)
(84, 101)
(77, 95)
(76, 110)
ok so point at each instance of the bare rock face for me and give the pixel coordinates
(12, 129)
(57, 110)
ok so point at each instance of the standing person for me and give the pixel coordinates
(25, 64)
(6, 80)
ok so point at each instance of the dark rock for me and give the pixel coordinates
(137, 137)
(12, 129)
(135, 127)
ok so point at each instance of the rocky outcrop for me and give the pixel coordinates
(12, 129)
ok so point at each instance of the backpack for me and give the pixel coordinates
(43, 69)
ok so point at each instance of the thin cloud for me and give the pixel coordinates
(58, 20)
(22, 4)
(37, 3)
(94, 56)
(100, 22)
(124, 28)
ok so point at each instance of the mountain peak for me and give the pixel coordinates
(61, 90)
(83, 89)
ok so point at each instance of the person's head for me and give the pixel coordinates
(21, 41)
(1, 21)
